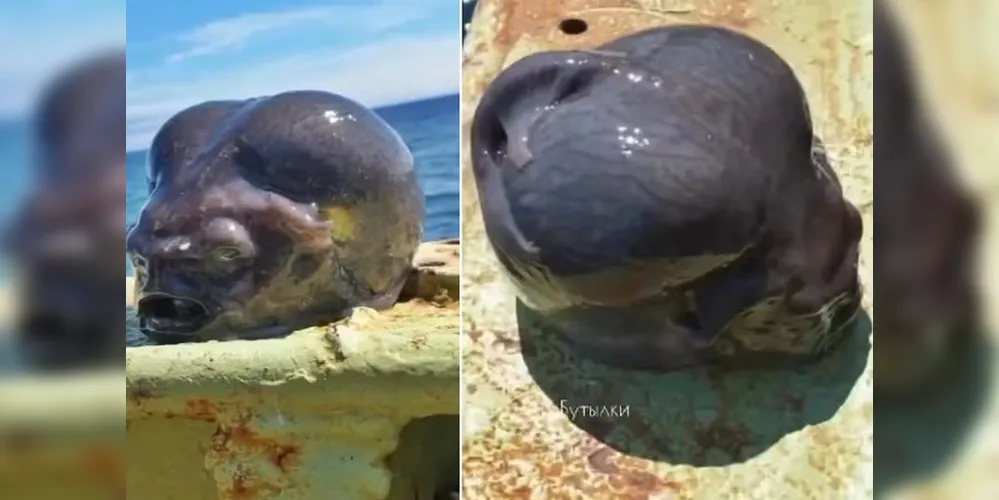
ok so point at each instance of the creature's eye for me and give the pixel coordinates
(227, 254)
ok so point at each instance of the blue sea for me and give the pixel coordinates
(15, 176)
(430, 129)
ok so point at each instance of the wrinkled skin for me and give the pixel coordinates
(270, 215)
(643, 193)
(66, 240)
(926, 226)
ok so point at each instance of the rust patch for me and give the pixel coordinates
(246, 487)
(575, 466)
(732, 13)
(284, 456)
(600, 461)
(520, 17)
(202, 410)
(240, 439)
(634, 483)
(109, 468)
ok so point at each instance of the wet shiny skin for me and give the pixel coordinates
(642, 194)
(272, 214)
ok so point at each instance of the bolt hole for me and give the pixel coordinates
(573, 26)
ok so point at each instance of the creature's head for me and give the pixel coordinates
(669, 145)
(269, 215)
(614, 177)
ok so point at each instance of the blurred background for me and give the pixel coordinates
(936, 99)
(61, 124)
(42, 39)
(61, 205)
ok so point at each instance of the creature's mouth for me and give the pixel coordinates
(169, 314)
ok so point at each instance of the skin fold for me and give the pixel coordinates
(272, 214)
(65, 241)
(642, 194)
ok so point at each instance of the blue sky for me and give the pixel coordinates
(182, 52)
(31, 54)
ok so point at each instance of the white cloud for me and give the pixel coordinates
(394, 69)
(233, 33)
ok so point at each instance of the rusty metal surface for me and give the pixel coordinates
(65, 426)
(319, 414)
(540, 423)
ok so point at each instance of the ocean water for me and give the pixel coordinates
(16, 174)
(15, 177)
(430, 129)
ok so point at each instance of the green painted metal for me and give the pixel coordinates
(329, 412)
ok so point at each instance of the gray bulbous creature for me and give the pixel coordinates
(664, 201)
(272, 214)
(66, 240)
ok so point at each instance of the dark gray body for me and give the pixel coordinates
(272, 214)
(67, 239)
(672, 167)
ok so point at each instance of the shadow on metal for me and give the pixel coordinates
(736, 416)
